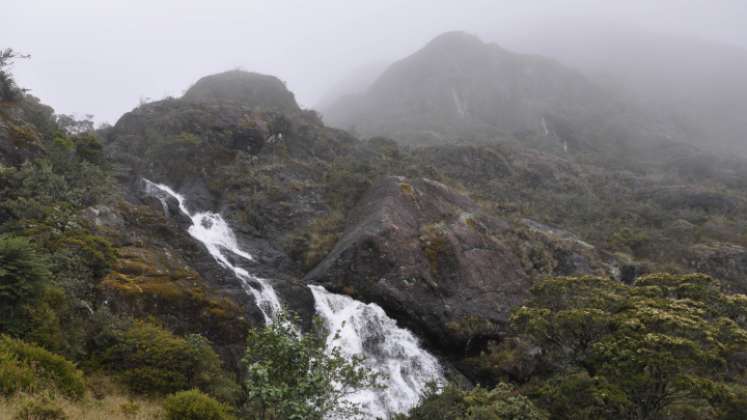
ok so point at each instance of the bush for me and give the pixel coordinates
(23, 274)
(452, 403)
(14, 377)
(194, 405)
(152, 360)
(294, 376)
(667, 344)
(26, 367)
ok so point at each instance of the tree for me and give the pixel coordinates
(9, 92)
(293, 376)
(451, 403)
(23, 275)
(668, 347)
(73, 125)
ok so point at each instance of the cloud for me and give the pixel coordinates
(102, 57)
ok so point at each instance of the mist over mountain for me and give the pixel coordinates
(702, 85)
(356, 82)
(459, 89)
(540, 222)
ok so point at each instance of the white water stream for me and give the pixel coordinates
(213, 232)
(364, 329)
(390, 351)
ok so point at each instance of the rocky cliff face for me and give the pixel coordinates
(432, 258)
(237, 144)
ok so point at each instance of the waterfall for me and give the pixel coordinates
(213, 232)
(364, 329)
(391, 351)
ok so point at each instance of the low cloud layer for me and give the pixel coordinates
(103, 58)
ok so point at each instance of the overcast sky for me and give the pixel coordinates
(103, 56)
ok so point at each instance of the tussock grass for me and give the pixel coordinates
(106, 402)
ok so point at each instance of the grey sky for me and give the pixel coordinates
(103, 56)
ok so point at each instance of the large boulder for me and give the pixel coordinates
(434, 261)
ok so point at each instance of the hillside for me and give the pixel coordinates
(700, 84)
(159, 255)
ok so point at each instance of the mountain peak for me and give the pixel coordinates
(245, 88)
(454, 39)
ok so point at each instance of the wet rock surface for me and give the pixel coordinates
(429, 256)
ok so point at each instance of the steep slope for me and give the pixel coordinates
(458, 89)
(701, 84)
(236, 144)
(307, 201)
(434, 259)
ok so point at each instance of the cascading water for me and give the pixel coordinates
(213, 232)
(391, 351)
(364, 329)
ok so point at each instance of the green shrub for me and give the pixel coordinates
(31, 368)
(89, 149)
(667, 344)
(152, 360)
(194, 405)
(95, 252)
(291, 375)
(23, 274)
(14, 377)
(40, 410)
(452, 403)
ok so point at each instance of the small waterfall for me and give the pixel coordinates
(213, 232)
(389, 350)
(364, 329)
(544, 127)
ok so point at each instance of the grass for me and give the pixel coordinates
(111, 407)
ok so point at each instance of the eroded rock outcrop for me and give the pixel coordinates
(434, 260)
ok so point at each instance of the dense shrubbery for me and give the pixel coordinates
(23, 276)
(194, 405)
(500, 403)
(42, 203)
(28, 368)
(151, 360)
(667, 347)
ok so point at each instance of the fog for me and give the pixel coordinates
(104, 57)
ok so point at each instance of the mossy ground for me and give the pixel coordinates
(146, 273)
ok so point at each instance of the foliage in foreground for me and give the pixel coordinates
(107, 402)
(668, 347)
(150, 360)
(585, 348)
(194, 405)
(292, 375)
(500, 403)
(28, 368)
